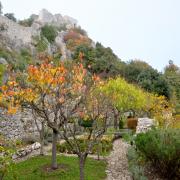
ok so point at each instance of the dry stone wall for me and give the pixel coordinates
(18, 126)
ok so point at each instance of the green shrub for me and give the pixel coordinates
(128, 137)
(121, 124)
(135, 163)
(26, 22)
(162, 148)
(40, 43)
(49, 32)
(28, 139)
(22, 60)
(102, 147)
(6, 152)
(4, 54)
(2, 70)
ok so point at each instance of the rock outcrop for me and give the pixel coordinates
(144, 124)
(15, 35)
(3, 61)
(25, 151)
(45, 17)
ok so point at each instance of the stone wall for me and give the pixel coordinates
(17, 126)
(144, 124)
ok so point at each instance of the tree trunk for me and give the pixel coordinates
(42, 139)
(98, 150)
(54, 143)
(116, 118)
(2, 174)
(82, 159)
(116, 121)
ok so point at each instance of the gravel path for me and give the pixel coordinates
(117, 168)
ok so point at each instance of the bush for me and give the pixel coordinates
(135, 163)
(4, 54)
(41, 43)
(49, 32)
(102, 147)
(121, 124)
(28, 139)
(6, 152)
(2, 71)
(128, 137)
(22, 60)
(74, 39)
(162, 149)
(5, 160)
(27, 22)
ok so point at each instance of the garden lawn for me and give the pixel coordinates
(34, 169)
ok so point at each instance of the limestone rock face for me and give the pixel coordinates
(144, 124)
(59, 41)
(45, 17)
(16, 35)
(3, 61)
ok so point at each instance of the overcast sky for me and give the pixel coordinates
(135, 29)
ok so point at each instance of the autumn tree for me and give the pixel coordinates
(90, 119)
(53, 92)
(160, 109)
(124, 97)
(100, 60)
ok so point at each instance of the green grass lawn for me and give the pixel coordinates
(33, 169)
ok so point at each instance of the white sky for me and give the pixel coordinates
(145, 29)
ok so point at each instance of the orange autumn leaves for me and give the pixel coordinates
(54, 82)
(7, 97)
(46, 74)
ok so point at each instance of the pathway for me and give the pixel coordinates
(117, 168)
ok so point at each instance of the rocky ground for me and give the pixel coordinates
(117, 168)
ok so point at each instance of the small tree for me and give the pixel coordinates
(40, 124)
(49, 32)
(124, 97)
(47, 89)
(160, 109)
(90, 119)
(6, 153)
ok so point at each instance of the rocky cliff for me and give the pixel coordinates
(15, 36)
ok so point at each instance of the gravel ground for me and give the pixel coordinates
(117, 168)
